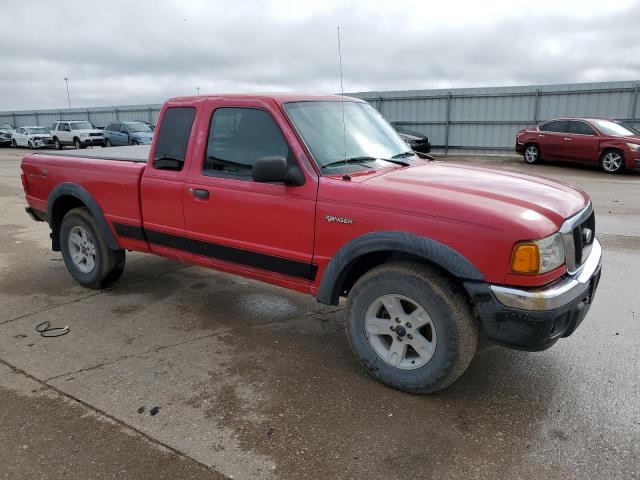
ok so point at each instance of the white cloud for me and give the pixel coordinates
(139, 52)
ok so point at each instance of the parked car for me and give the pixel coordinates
(78, 133)
(6, 130)
(31, 137)
(591, 141)
(425, 252)
(417, 141)
(127, 133)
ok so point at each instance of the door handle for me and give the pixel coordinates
(200, 193)
(568, 139)
(541, 136)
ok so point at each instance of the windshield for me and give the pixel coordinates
(612, 128)
(366, 136)
(139, 127)
(37, 130)
(81, 126)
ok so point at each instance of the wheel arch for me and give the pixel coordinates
(68, 196)
(370, 250)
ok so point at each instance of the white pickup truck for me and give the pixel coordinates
(80, 134)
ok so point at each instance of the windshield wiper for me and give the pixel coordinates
(409, 153)
(350, 160)
(357, 160)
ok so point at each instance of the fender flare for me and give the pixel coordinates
(392, 241)
(74, 190)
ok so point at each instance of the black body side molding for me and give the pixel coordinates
(391, 241)
(78, 192)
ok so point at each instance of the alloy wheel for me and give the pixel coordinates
(612, 162)
(82, 249)
(400, 332)
(531, 154)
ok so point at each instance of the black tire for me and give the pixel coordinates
(450, 313)
(31, 145)
(109, 264)
(56, 143)
(107, 143)
(135, 142)
(76, 143)
(531, 153)
(607, 162)
(14, 144)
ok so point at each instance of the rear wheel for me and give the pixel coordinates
(531, 153)
(612, 161)
(84, 250)
(410, 327)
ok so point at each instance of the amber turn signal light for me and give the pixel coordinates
(525, 259)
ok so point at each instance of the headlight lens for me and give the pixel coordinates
(539, 256)
(634, 147)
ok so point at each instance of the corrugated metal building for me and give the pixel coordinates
(456, 120)
(487, 119)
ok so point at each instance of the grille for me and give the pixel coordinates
(582, 240)
(579, 234)
(95, 134)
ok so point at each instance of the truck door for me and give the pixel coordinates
(264, 230)
(162, 184)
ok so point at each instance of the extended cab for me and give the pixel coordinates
(278, 189)
(79, 134)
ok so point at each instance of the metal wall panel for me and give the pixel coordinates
(486, 119)
(459, 119)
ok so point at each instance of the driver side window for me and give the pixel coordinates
(240, 136)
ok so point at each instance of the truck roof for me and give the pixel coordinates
(279, 98)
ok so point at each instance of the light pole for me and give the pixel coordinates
(198, 90)
(66, 79)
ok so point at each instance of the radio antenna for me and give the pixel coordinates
(344, 126)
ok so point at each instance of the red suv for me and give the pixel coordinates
(592, 141)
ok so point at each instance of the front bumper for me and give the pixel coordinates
(93, 141)
(534, 319)
(42, 142)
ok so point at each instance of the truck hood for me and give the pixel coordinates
(482, 193)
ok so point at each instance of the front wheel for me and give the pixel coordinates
(410, 327)
(56, 144)
(14, 144)
(85, 253)
(531, 154)
(107, 143)
(612, 161)
(31, 145)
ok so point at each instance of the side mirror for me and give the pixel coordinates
(270, 169)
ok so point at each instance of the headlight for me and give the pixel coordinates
(539, 256)
(83, 135)
(634, 147)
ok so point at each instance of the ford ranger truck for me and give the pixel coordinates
(278, 189)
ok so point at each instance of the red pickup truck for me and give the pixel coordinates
(318, 194)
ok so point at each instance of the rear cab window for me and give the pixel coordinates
(173, 138)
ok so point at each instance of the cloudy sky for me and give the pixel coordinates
(135, 52)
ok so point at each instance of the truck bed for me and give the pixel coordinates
(133, 153)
